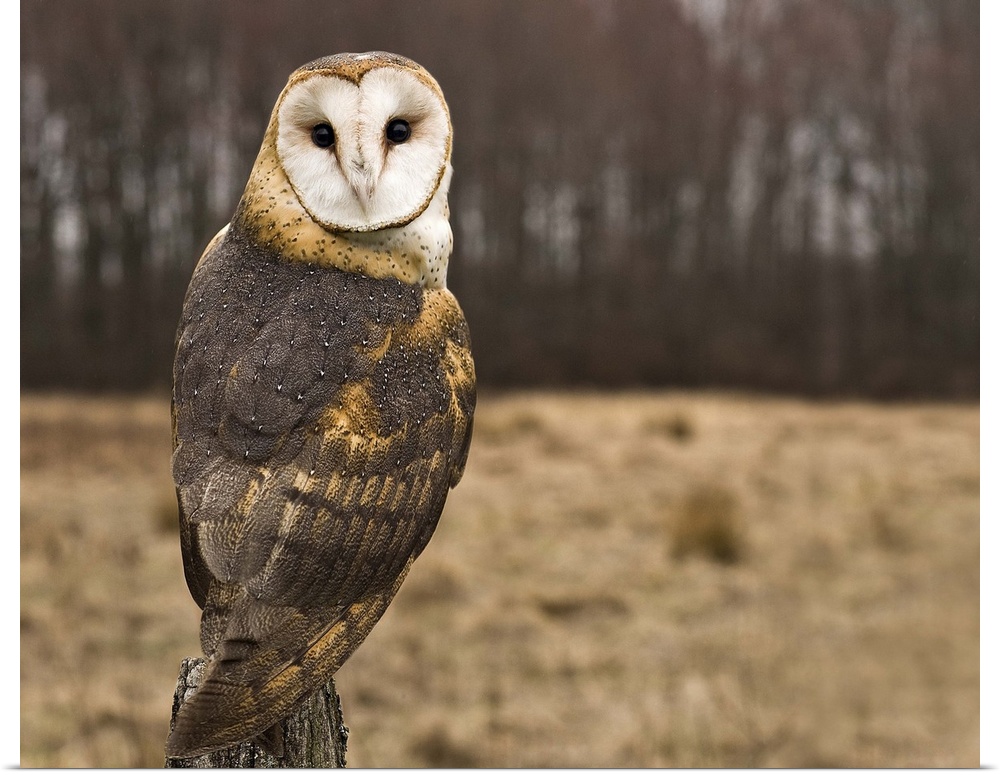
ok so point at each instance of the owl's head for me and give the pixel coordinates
(363, 139)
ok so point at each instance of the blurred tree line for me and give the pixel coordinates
(758, 194)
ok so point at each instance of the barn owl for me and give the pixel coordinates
(323, 390)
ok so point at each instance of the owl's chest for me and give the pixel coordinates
(265, 346)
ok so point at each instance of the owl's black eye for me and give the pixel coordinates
(322, 135)
(397, 131)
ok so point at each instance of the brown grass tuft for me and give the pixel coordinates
(889, 534)
(578, 607)
(437, 749)
(708, 524)
(677, 426)
(437, 585)
(505, 427)
(165, 516)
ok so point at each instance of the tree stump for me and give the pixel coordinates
(315, 735)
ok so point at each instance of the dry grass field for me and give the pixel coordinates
(635, 580)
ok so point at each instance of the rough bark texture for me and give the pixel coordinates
(314, 735)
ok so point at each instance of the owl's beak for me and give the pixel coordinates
(362, 179)
(364, 190)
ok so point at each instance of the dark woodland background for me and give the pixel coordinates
(765, 195)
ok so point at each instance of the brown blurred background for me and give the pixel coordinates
(720, 261)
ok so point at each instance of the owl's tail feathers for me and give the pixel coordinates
(240, 699)
(220, 715)
(203, 724)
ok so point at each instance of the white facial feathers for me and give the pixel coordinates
(363, 181)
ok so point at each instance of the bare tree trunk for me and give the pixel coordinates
(314, 735)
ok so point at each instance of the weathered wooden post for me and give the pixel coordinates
(315, 735)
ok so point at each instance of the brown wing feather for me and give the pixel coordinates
(318, 431)
(196, 573)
